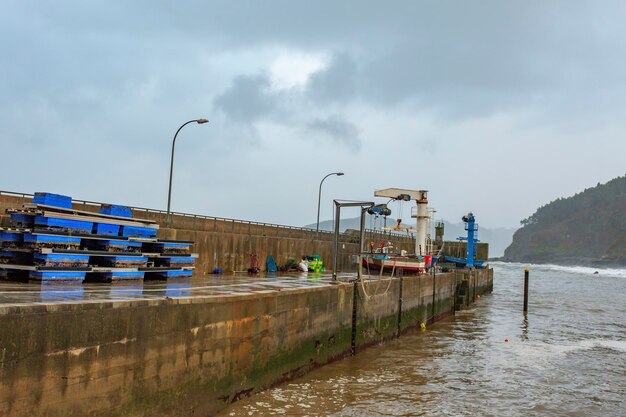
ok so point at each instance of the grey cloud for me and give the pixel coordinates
(247, 99)
(335, 83)
(458, 59)
(338, 129)
(120, 77)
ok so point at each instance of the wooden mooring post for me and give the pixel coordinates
(526, 274)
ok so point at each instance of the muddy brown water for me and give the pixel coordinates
(566, 358)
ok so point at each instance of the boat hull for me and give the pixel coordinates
(387, 264)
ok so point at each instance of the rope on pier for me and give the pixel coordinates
(367, 296)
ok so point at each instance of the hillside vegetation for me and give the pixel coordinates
(587, 228)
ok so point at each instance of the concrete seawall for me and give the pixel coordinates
(193, 355)
(227, 243)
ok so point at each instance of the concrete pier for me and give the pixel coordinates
(191, 346)
(228, 243)
(193, 352)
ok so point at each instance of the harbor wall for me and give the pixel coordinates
(228, 243)
(193, 356)
(458, 249)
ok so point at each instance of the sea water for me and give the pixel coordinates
(566, 357)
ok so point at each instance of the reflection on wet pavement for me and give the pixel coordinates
(14, 293)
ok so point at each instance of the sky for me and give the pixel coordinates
(494, 107)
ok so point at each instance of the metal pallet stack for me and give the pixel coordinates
(50, 241)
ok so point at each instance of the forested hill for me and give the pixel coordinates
(587, 228)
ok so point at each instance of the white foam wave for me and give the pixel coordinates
(604, 343)
(543, 350)
(582, 270)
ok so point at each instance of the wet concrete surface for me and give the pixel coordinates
(33, 293)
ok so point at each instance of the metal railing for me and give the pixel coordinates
(175, 213)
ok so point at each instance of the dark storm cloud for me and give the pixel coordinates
(247, 99)
(455, 59)
(458, 59)
(250, 99)
(335, 83)
(120, 77)
(338, 130)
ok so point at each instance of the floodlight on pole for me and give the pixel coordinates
(169, 192)
(319, 199)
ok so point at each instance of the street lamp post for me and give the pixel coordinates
(319, 199)
(169, 192)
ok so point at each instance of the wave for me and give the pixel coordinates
(583, 270)
(544, 350)
(604, 343)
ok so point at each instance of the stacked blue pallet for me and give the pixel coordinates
(6, 256)
(117, 276)
(22, 220)
(173, 248)
(46, 276)
(50, 241)
(141, 232)
(63, 225)
(175, 261)
(10, 240)
(115, 245)
(54, 200)
(125, 261)
(108, 229)
(39, 241)
(113, 210)
(61, 260)
(104, 229)
(182, 273)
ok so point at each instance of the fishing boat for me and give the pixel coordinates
(383, 258)
(393, 262)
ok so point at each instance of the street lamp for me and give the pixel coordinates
(319, 199)
(169, 192)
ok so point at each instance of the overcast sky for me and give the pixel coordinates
(494, 106)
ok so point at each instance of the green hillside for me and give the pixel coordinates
(589, 227)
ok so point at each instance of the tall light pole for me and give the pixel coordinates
(319, 198)
(169, 192)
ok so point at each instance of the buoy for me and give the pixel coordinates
(506, 340)
(423, 326)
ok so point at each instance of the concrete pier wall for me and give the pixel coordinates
(227, 244)
(193, 356)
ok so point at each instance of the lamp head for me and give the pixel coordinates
(339, 174)
(202, 121)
